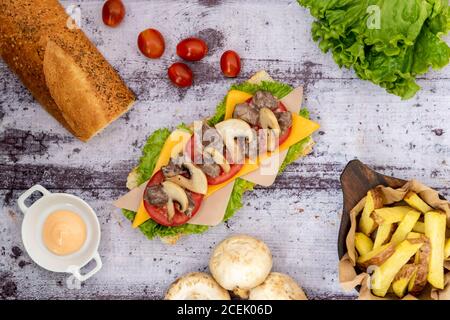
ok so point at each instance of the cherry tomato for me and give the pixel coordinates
(113, 12)
(230, 63)
(192, 49)
(159, 214)
(151, 43)
(180, 74)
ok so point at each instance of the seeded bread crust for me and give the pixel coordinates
(61, 67)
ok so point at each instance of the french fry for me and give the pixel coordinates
(390, 214)
(384, 275)
(405, 226)
(402, 279)
(419, 278)
(435, 227)
(363, 243)
(416, 202)
(384, 231)
(376, 257)
(419, 227)
(374, 200)
(447, 249)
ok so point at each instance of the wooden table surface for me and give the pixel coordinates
(298, 217)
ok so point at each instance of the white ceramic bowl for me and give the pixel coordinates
(32, 226)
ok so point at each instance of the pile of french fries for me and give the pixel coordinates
(403, 246)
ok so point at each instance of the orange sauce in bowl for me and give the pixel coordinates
(64, 232)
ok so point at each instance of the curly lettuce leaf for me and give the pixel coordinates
(407, 43)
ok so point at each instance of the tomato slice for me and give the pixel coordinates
(284, 137)
(281, 107)
(159, 214)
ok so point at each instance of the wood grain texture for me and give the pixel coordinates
(298, 216)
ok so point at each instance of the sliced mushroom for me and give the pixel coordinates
(233, 129)
(218, 158)
(268, 120)
(197, 182)
(175, 193)
(196, 286)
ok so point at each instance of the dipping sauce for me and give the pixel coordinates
(64, 232)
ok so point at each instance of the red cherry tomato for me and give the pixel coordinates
(159, 214)
(192, 49)
(151, 43)
(180, 74)
(230, 63)
(113, 12)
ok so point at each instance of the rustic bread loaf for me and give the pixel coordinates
(60, 66)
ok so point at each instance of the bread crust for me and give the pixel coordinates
(61, 67)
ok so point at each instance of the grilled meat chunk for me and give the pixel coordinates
(191, 205)
(246, 112)
(264, 99)
(284, 121)
(156, 196)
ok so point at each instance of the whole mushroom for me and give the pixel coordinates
(240, 263)
(277, 286)
(196, 286)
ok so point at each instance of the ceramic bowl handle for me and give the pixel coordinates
(23, 207)
(83, 277)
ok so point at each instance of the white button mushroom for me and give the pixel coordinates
(240, 263)
(196, 286)
(278, 286)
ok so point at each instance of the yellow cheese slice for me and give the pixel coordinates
(141, 216)
(173, 145)
(301, 128)
(234, 98)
